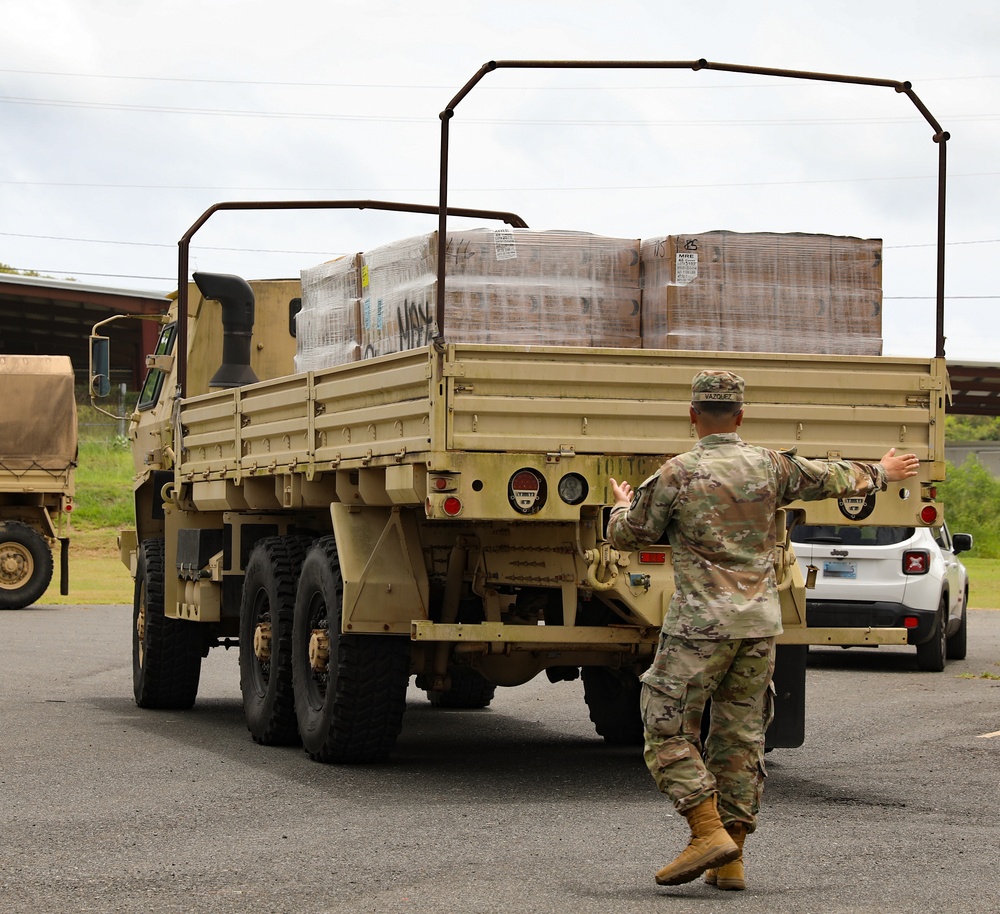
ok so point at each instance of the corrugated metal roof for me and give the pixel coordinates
(44, 282)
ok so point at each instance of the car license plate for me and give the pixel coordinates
(840, 570)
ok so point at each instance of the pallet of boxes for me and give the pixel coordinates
(716, 291)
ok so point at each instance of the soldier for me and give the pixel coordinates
(717, 505)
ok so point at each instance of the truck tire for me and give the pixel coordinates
(25, 565)
(612, 698)
(931, 654)
(350, 690)
(958, 643)
(468, 690)
(166, 653)
(266, 610)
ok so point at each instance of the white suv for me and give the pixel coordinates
(894, 577)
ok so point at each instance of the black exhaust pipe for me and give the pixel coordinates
(237, 300)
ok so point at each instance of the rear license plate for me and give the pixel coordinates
(840, 570)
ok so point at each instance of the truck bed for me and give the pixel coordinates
(420, 406)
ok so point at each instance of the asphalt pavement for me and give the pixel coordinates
(890, 806)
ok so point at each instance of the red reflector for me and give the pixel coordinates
(928, 514)
(915, 563)
(68, 508)
(910, 622)
(440, 483)
(452, 506)
(653, 558)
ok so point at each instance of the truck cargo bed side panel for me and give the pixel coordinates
(612, 401)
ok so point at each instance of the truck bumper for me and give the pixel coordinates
(861, 637)
(498, 637)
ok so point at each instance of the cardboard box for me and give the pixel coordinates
(504, 286)
(328, 327)
(762, 292)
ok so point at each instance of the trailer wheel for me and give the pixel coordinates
(612, 698)
(166, 653)
(266, 611)
(25, 565)
(350, 690)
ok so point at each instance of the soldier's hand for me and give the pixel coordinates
(622, 492)
(900, 467)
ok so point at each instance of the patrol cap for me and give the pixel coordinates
(717, 387)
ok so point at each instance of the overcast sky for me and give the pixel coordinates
(123, 120)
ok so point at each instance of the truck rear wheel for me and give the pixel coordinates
(612, 697)
(25, 565)
(350, 690)
(266, 612)
(166, 653)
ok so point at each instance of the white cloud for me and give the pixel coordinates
(205, 101)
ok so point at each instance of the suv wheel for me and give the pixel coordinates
(931, 654)
(957, 643)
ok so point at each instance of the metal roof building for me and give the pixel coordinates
(54, 317)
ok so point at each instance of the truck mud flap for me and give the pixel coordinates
(788, 728)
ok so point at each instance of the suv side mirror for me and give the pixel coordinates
(961, 542)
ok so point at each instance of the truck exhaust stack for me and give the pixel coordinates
(237, 300)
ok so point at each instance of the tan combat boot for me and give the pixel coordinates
(710, 845)
(730, 876)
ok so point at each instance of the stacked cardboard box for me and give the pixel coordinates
(716, 291)
(327, 328)
(506, 286)
(762, 292)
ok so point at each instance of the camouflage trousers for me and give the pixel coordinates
(736, 676)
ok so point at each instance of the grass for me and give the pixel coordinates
(104, 506)
(96, 573)
(984, 582)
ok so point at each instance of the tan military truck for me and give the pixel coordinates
(437, 510)
(38, 454)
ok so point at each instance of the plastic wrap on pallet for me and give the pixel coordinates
(327, 328)
(505, 286)
(762, 292)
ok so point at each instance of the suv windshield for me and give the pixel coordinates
(850, 535)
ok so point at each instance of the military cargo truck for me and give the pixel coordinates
(437, 513)
(38, 454)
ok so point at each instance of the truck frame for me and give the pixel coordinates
(440, 512)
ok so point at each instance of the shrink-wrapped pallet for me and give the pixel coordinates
(762, 292)
(504, 286)
(328, 325)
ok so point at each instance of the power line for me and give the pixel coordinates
(479, 190)
(396, 86)
(394, 119)
(157, 244)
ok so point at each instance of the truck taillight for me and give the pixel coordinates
(652, 558)
(928, 514)
(916, 562)
(442, 483)
(452, 506)
(68, 507)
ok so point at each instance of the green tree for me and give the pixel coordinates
(972, 428)
(7, 268)
(971, 497)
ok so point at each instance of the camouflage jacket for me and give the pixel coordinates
(717, 504)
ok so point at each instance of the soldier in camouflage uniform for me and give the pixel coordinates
(717, 504)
